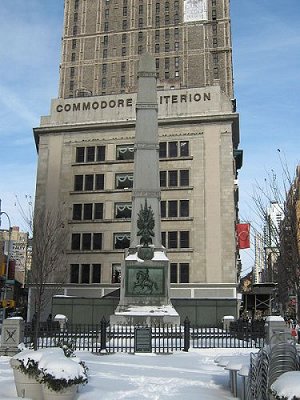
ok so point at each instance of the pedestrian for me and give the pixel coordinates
(298, 331)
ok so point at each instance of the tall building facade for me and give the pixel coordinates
(86, 146)
(102, 41)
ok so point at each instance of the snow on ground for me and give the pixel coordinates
(189, 376)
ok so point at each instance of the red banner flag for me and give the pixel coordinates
(243, 235)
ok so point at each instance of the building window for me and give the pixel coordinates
(184, 208)
(215, 42)
(174, 208)
(170, 149)
(157, 63)
(125, 152)
(123, 51)
(157, 35)
(167, 74)
(167, 34)
(75, 243)
(124, 11)
(214, 14)
(124, 37)
(157, 8)
(98, 211)
(99, 181)
(173, 149)
(72, 72)
(176, 62)
(123, 81)
(124, 181)
(141, 22)
(74, 43)
(176, 19)
(141, 9)
(215, 58)
(156, 48)
(100, 154)
(123, 66)
(79, 154)
(181, 271)
(90, 154)
(105, 40)
(86, 241)
(75, 30)
(163, 178)
(163, 150)
(73, 56)
(172, 240)
(215, 29)
(140, 36)
(121, 240)
(77, 211)
(176, 46)
(123, 210)
(176, 33)
(104, 53)
(76, 5)
(124, 25)
(184, 178)
(88, 182)
(173, 180)
(106, 26)
(167, 20)
(106, 13)
(116, 273)
(87, 211)
(216, 73)
(157, 21)
(184, 239)
(167, 47)
(85, 273)
(140, 49)
(78, 183)
(167, 6)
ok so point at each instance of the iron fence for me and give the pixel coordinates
(162, 339)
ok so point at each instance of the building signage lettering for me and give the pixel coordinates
(120, 103)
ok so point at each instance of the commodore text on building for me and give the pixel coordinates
(120, 103)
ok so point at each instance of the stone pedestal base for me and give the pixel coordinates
(145, 315)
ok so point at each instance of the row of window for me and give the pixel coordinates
(91, 273)
(121, 240)
(94, 211)
(122, 79)
(172, 149)
(168, 179)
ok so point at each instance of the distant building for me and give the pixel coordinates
(15, 253)
(85, 146)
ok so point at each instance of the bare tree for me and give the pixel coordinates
(49, 265)
(282, 246)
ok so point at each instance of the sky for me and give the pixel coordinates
(266, 62)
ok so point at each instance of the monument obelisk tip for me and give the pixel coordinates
(147, 63)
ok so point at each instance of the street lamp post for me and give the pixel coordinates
(8, 250)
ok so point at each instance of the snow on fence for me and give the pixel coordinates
(163, 339)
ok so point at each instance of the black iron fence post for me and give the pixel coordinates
(186, 337)
(103, 325)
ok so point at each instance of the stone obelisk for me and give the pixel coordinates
(144, 296)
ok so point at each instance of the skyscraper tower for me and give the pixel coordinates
(102, 41)
(86, 147)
